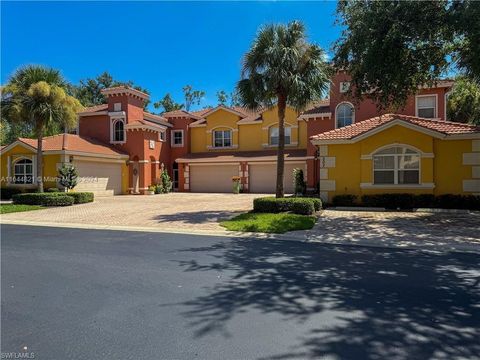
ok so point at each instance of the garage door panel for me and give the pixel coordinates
(99, 178)
(263, 177)
(212, 178)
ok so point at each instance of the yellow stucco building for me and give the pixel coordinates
(398, 154)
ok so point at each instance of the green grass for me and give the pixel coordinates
(269, 223)
(11, 208)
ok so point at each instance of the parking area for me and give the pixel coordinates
(182, 211)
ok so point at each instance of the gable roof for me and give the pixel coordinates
(70, 142)
(355, 131)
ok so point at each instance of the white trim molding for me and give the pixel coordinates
(471, 159)
(172, 137)
(471, 185)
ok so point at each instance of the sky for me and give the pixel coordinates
(161, 46)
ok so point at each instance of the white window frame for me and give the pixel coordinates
(14, 175)
(117, 106)
(162, 136)
(336, 113)
(435, 108)
(112, 131)
(396, 169)
(289, 128)
(223, 139)
(172, 140)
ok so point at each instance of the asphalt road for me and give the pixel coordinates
(91, 294)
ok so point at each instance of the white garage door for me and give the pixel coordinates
(99, 178)
(212, 178)
(263, 177)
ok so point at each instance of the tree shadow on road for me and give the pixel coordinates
(384, 304)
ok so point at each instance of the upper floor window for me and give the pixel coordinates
(117, 107)
(119, 131)
(177, 138)
(426, 106)
(344, 115)
(396, 165)
(273, 134)
(222, 138)
(161, 136)
(23, 171)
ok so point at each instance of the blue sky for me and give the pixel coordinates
(161, 46)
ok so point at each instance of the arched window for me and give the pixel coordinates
(396, 165)
(344, 115)
(118, 131)
(23, 171)
(273, 135)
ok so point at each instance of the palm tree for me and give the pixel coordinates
(282, 68)
(35, 97)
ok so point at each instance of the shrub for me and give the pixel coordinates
(389, 201)
(53, 190)
(450, 201)
(304, 206)
(298, 182)
(68, 176)
(81, 197)
(44, 199)
(6, 193)
(410, 201)
(344, 200)
(424, 201)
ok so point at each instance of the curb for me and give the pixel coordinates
(304, 237)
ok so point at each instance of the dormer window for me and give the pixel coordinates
(426, 106)
(118, 131)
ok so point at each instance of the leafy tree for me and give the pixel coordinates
(89, 91)
(168, 104)
(222, 97)
(464, 102)
(282, 68)
(391, 48)
(68, 176)
(35, 96)
(192, 97)
(235, 99)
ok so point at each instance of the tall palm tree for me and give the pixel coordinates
(35, 96)
(282, 68)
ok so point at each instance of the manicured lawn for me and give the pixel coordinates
(10, 208)
(269, 223)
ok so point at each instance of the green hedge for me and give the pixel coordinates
(411, 201)
(53, 190)
(344, 200)
(81, 197)
(43, 199)
(6, 193)
(297, 205)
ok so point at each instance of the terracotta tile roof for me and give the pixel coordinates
(362, 127)
(123, 89)
(319, 107)
(235, 156)
(95, 108)
(156, 119)
(72, 142)
(180, 114)
(144, 122)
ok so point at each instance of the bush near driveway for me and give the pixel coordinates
(11, 208)
(6, 193)
(269, 223)
(81, 197)
(406, 201)
(297, 205)
(43, 199)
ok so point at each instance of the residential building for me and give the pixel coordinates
(340, 144)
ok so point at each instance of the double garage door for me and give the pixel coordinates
(99, 178)
(218, 178)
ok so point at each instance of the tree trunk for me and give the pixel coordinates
(282, 104)
(40, 156)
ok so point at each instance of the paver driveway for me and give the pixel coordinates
(170, 211)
